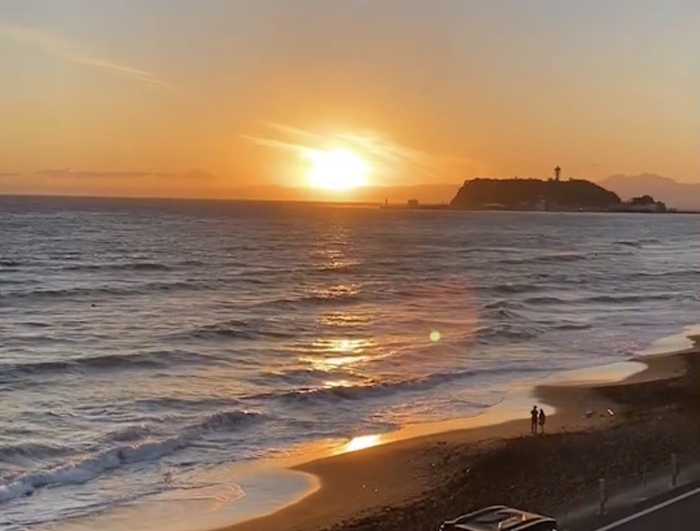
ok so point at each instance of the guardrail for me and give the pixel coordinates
(606, 487)
(611, 494)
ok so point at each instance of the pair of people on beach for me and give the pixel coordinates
(537, 416)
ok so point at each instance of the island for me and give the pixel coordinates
(534, 194)
(550, 195)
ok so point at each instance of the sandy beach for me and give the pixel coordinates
(598, 430)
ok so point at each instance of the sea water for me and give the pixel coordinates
(148, 347)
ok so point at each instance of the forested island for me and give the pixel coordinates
(546, 195)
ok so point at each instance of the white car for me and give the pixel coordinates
(500, 518)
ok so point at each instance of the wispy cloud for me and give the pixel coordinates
(279, 144)
(87, 174)
(74, 52)
(369, 143)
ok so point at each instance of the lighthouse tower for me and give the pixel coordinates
(557, 173)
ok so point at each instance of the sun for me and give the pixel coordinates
(337, 169)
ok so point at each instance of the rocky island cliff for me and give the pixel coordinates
(535, 194)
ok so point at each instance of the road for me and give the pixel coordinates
(681, 513)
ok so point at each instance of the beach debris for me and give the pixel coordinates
(588, 414)
(611, 412)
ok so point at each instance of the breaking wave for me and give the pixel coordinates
(137, 266)
(387, 388)
(84, 470)
(79, 293)
(109, 362)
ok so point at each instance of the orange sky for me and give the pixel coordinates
(135, 100)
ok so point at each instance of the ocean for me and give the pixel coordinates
(145, 344)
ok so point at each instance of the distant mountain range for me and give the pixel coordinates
(683, 196)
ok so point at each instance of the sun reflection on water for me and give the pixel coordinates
(342, 346)
(336, 353)
(336, 292)
(328, 364)
(346, 319)
(334, 384)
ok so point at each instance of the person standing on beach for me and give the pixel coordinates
(543, 419)
(533, 420)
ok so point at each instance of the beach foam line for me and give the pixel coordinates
(675, 343)
(217, 498)
(610, 373)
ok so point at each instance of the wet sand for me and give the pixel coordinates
(598, 430)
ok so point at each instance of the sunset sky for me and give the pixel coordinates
(181, 96)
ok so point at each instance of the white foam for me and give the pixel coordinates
(83, 471)
(211, 501)
(673, 343)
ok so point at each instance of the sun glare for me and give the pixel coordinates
(362, 443)
(338, 169)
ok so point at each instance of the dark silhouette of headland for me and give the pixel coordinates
(554, 195)
(683, 196)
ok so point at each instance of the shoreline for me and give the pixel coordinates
(402, 468)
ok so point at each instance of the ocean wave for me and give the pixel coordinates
(85, 470)
(294, 375)
(10, 263)
(135, 266)
(220, 421)
(374, 389)
(96, 292)
(564, 326)
(237, 329)
(558, 258)
(224, 420)
(340, 267)
(502, 304)
(637, 243)
(628, 299)
(31, 450)
(505, 332)
(678, 274)
(177, 403)
(314, 300)
(150, 360)
(130, 433)
(503, 312)
(608, 299)
(543, 300)
(513, 289)
(629, 243)
(12, 282)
